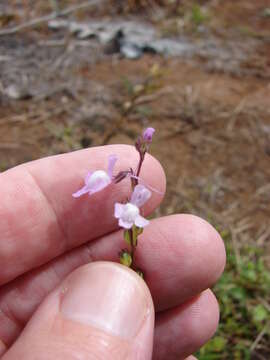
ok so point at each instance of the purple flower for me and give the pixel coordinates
(148, 134)
(97, 180)
(129, 214)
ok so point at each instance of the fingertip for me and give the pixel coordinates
(190, 253)
(191, 325)
(201, 317)
(210, 245)
(207, 309)
(201, 246)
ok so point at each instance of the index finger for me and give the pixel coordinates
(40, 220)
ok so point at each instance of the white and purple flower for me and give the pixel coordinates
(97, 180)
(129, 214)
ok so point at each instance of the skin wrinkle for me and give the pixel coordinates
(7, 323)
(84, 256)
(33, 213)
(3, 347)
(46, 197)
(8, 313)
(26, 289)
(14, 312)
(92, 342)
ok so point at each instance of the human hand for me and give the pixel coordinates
(101, 310)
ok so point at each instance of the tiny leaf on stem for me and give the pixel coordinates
(125, 258)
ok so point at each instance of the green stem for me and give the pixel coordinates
(132, 249)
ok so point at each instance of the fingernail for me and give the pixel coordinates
(108, 297)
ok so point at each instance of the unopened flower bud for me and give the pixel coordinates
(148, 135)
(125, 258)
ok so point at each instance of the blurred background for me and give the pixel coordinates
(75, 74)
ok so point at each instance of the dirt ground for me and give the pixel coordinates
(211, 109)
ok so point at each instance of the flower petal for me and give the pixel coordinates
(99, 188)
(141, 222)
(111, 163)
(88, 175)
(140, 195)
(98, 181)
(82, 191)
(118, 210)
(125, 224)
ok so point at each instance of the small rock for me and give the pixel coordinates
(131, 51)
(266, 12)
(16, 92)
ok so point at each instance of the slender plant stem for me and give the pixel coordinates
(132, 248)
(139, 167)
(135, 182)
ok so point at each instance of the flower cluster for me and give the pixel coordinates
(128, 214)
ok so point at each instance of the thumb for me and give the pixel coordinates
(101, 311)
